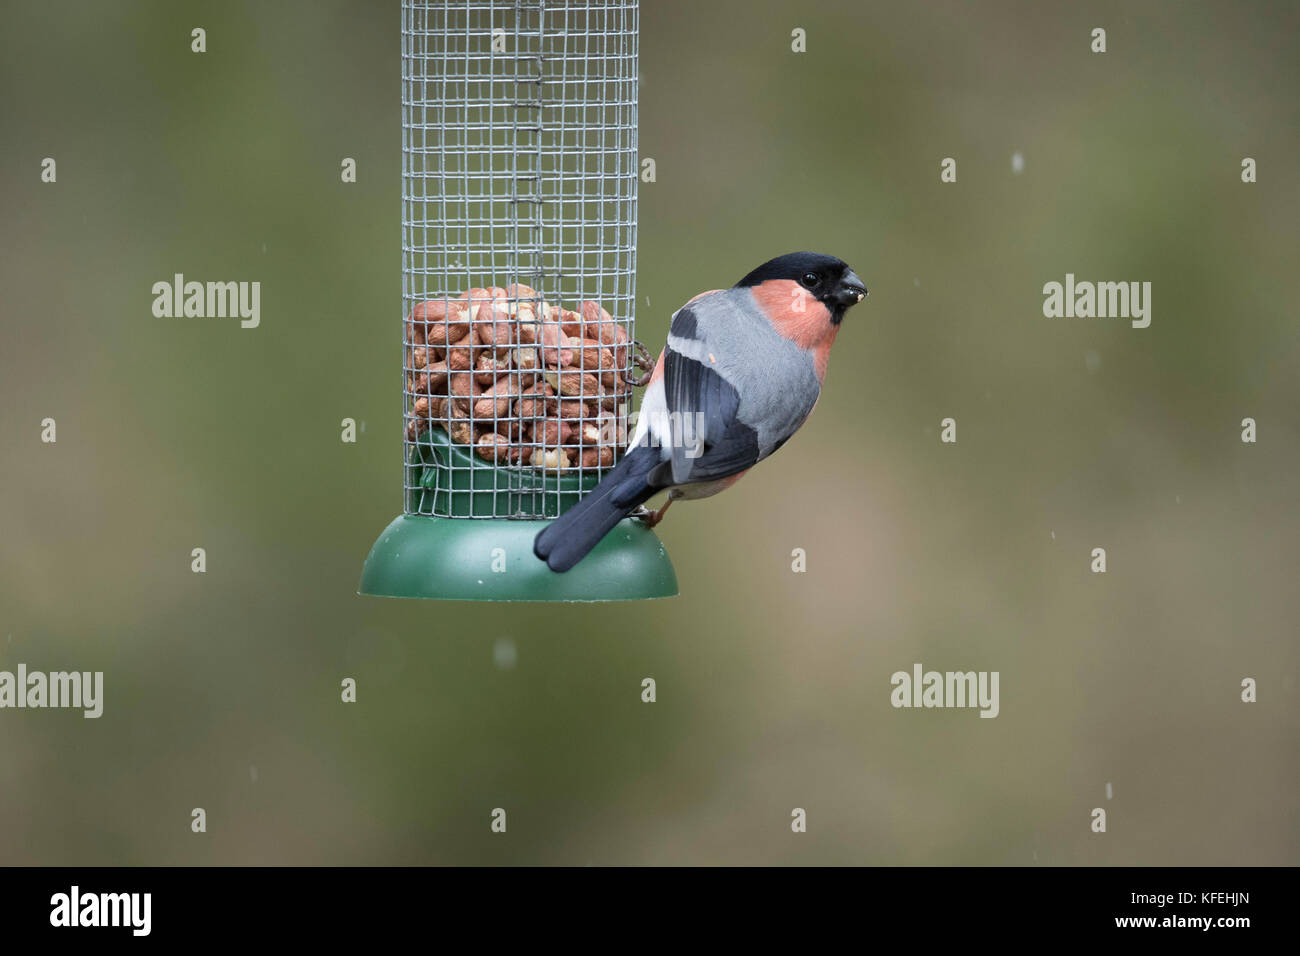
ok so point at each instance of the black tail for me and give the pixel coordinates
(566, 540)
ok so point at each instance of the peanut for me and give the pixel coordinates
(465, 390)
(461, 353)
(494, 402)
(608, 332)
(462, 432)
(473, 298)
(493, 447)
(551, 432)
(493, 327)
(532, 405)
(571, 382)
(552, 459)
(525, 357)
(431, 381)
(572, 408)
(591, 433)
(426, 407)
(489, 367)
(436, 322)
(614, 393)
(601, 457)
(529, 330)
(591, 355)
(555, 344)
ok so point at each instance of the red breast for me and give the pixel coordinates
(800, 317)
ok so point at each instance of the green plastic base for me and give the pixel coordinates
(457, 559)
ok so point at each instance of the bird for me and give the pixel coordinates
(740, 373)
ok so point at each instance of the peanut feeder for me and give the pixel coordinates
(519, 189)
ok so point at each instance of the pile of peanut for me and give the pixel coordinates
(523, 382)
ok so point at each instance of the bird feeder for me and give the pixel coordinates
(519, 199)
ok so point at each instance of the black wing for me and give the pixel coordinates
(709, 441)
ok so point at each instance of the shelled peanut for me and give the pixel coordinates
(522, 382)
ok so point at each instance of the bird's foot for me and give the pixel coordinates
(644, 361)
(652, 518)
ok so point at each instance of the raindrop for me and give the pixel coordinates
(504, 653)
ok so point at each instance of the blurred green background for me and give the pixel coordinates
(222, 689)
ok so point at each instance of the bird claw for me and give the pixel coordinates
(652, 518)
(644, 361)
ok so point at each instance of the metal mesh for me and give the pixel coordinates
(519, 151)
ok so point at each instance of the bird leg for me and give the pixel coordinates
(652, 518)
(644, 361)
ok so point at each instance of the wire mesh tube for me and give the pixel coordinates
(519, 189)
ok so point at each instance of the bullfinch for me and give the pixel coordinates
(741, 371)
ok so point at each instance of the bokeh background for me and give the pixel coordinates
(222, 689)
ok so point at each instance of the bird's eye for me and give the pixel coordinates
(810, 279)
